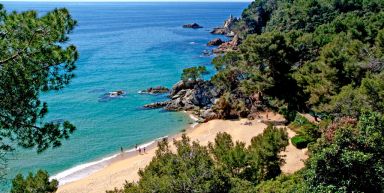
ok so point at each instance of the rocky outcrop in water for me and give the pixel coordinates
(155, 90)
(192, 95)
(215, 42)
(192, 25)
(218, 31)
(196, 96)
(227, 46)
(226, 29)
(156, 105)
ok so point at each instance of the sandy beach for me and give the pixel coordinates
(125, 169)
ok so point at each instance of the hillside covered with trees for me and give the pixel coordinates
(324, 57)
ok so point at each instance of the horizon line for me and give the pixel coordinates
(131, 1)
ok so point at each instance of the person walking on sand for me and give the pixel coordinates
(144, 149)
(139, 150)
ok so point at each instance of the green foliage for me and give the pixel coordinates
(293, 183)
(193, 73)
(264, 150)
(288, 114)
(299, 122)
(255, 17)
(307, 132)
(321, 56)
(223, 166)
(190, 169)
(229, 107)
(33, 183)
(231, 158)
(300, 142)
(349, 158)
(369, 96)
(304, 53)
(34, 58)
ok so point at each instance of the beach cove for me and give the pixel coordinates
(126, 166)
(122, 46)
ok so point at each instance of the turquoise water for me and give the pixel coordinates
(129, 46)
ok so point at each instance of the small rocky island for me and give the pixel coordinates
(192, 25)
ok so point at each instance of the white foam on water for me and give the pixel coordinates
(193, 117)
(86, 169)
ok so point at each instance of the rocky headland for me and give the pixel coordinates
(228, 30)
(198, 96)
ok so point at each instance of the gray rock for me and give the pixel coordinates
(191, 96)
(155, 90)
(218, 31)
(181, 85)
(156, 105)
(209, 115)
(192, 25)
(215, 42)
(227, 28)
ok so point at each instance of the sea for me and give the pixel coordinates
(122, 46)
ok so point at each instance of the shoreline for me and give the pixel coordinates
(84, 170)
(125, 168)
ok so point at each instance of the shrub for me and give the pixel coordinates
(300, 141)
(193, 73)
(299, 121)
(38, 182)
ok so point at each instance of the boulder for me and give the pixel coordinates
(191, 96)
(192, 25)
(230, 34)
(181, 85)
(215, 42)
(227, 28)
(218, 31)
(227, 46)
(155, 90)
(208, 115)
(156, 105)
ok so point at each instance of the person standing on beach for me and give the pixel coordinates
(144, 149)
(139, 150)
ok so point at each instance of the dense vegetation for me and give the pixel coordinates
(38, 183)
(193, 73)
(223, 166)
(323, 57)
(34, 58)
